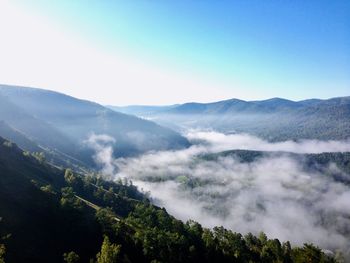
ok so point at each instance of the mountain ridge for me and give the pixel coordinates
(275, 101)
(274, 119)
(30, 110)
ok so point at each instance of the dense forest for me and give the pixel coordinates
(50, 214)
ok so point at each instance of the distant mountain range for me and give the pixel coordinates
(39, 119)
(48, 211)
(274, 119)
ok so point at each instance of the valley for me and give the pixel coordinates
(113, 174)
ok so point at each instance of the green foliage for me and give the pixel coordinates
(71, 257)
(162, 238)
(81, 211)
(69, 176)
(69, 200)
(48, 189)
(106, 218)
(309, 254)
(109, 252)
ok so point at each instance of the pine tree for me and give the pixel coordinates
(109, 252)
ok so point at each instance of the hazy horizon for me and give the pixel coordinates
(175, 103)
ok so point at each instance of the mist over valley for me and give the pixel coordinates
(295, 190)
(174, 131)
(246, 184)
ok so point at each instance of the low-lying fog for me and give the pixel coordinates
(274, 194)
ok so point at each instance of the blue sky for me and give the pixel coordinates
(163, 52)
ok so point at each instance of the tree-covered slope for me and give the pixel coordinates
(40, 228)
(77, 119)
(52, 155)
(49, 215)
(21, 140)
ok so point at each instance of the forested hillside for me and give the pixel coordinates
(50, 215)
(273, 119)
(64, 124)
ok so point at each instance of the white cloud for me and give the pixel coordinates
(274, 194)
(102, 144)
(221, 142)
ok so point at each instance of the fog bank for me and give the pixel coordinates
(220, 142)
(274, 193)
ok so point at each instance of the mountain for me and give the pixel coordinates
(274, 119)
(29, 215)
(39, 226)
(220, 107)
(51, 118)
(140, 109)
(48, 214)
(22, 141)
(52, 155)
(34, 128)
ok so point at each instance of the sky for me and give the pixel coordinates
(165, 52)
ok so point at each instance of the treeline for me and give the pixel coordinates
(136, 231)
(150, 235)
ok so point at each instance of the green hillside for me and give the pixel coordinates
(47, 212)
